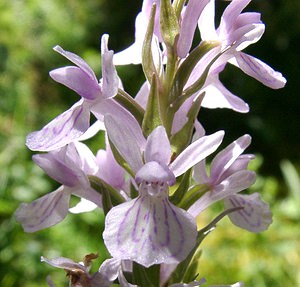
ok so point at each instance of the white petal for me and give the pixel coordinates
(255, 216)
(83, 206)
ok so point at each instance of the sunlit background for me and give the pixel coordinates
(29, 99)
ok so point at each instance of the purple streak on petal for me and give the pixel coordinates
(188, 26)
(255, 215)
(260, 71)
(64, 129)
(45, 211)
(77, 80)
(149, 238)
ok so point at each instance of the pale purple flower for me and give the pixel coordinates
(70, 166)
(79, 272)
(149, 229)
(229, 176)
(236, 30)
(70, 125)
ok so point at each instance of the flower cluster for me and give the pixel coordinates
(151, 180)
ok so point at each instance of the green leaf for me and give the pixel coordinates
(193, 195)
(152, 117)
(168, 23)
(147, 58)
(146, 277)
(183, 187)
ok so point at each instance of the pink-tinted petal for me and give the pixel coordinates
(188, 26)
(45, 211)
(110, 80)
(149, 230)
(127, 138)
(64, 129)
(224, 159)
(255, 215)
(196, 152)
(233, 184)
(260, 71)
(77, 80)
(158, 146)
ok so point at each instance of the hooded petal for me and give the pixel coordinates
(255, 215)
(196, 152)
(64, 129)
(260, 71)
(149, 230)
(158, 146)
(152, 171)
(45, 211)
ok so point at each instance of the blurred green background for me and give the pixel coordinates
(29, 99)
